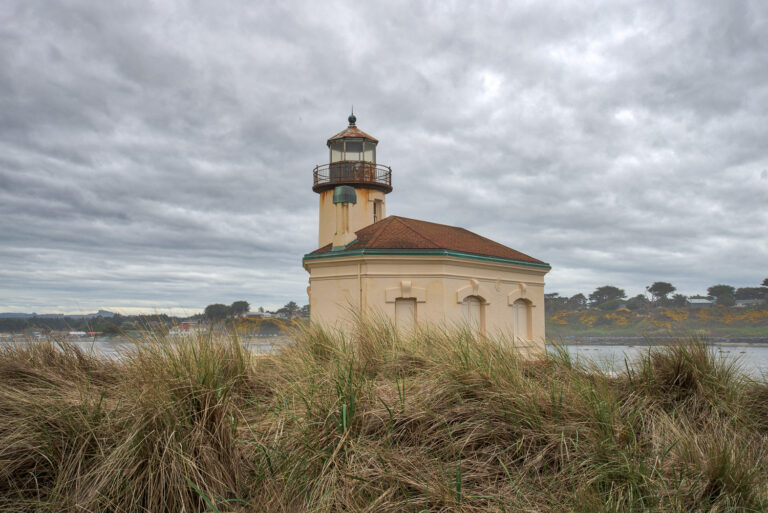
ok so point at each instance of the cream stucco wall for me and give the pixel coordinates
(439, 284)
(360, 214)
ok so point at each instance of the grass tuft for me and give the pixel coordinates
(376, 420)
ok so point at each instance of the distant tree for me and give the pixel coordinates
(239, 308)
(292, 309)
(638, 302)
(610, 305)
(577, 302)
(660, 290)
(750, 293)
(678, 300)
(261, 309)
(720, 290)
(216, 312)
(723, 294)
(304, 312)
(553, 302)
(606, 293)
(765, 282)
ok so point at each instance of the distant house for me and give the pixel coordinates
(188, 324)
(694, 301)
(744, 303)
(256, 315)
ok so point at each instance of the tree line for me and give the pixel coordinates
(107, 325)
(660, 293)
(219, 312)
(120, 323)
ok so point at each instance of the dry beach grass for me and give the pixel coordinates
(376, 421)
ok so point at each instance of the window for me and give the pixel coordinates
(405, 312)
(521, 320)
(354, 150)
(378, 210)
(369, 155)
(472, 309)
(337, 151)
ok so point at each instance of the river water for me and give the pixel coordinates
(753, 359)
(611, 357)
(114, 347)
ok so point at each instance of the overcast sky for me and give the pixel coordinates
(159, 155)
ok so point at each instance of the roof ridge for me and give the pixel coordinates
(432, 222)
(414, 230)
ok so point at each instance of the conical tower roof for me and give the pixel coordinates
(352, 132)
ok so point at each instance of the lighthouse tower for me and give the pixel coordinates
(352, 165)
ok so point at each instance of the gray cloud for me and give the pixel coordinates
(159, 154)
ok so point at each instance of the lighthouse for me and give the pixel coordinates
(352, 164)
(417, 273)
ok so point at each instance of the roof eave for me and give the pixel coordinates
(423, 252)
(356, 134)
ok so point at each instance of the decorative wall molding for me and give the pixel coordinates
(406, 290)
(473, 289)
(520, 293)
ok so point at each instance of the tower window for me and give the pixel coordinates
(378, 210)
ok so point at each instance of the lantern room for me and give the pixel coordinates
(352, 161)
(352, 145)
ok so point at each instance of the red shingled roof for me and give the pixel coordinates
(396, 232)
(352, 131)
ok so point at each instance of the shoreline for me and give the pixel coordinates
(612, 340)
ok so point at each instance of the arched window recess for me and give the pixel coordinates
(473, 289)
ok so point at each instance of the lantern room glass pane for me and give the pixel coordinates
(337, 151)
(354, 150)
(369, 154)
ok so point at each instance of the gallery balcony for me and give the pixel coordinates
(354, 173)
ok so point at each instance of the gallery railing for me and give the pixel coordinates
(358, 173)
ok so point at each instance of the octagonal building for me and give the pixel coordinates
(413, 271)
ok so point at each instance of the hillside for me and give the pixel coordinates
(714, 321)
